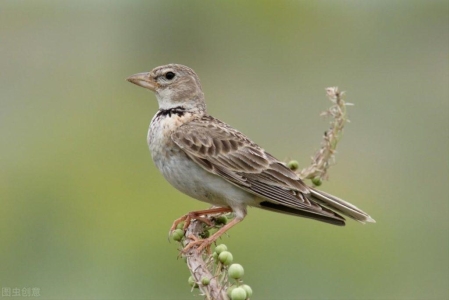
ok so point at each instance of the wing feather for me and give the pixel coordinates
(222, 150)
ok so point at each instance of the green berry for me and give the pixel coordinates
(293, 165)
(220, 248)
(248, 290)
(230, 289)
(236, 271)
(178, 234)
(238, 294)
(215, 256)
(205, 234)
(225, 257)
(205, 281)
(317, 181)
(192, 282)
(180, 226)
(221, 220)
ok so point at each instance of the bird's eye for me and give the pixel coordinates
(169, 75)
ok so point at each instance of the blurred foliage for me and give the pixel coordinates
(85, 214)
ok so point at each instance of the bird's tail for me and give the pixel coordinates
(340, 206)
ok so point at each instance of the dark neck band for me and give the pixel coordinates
(178, 110)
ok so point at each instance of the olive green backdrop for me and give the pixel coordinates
(84, 214)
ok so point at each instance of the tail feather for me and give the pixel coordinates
(340, 206)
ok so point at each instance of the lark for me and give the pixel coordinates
(210, 161)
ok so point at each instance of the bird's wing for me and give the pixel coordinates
(224, 151)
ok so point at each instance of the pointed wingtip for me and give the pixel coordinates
(370, 220)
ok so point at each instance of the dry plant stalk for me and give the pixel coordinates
(201, 264)
(325, 157)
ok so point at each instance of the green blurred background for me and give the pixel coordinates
(85, 214)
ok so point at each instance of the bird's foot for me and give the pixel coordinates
(197, 215)
(200, 244)
(204, 244)
(187, 219)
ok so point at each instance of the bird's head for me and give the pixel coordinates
(174, 85)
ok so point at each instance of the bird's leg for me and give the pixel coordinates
(196, 215)
(207, 242)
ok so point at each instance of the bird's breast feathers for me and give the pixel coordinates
(161, 127)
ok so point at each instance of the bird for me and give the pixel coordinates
(213, 162)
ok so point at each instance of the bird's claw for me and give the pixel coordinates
(187, 219)
(202, 244)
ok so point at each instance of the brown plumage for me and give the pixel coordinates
(226, 152)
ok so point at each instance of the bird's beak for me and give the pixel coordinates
(144, 80)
